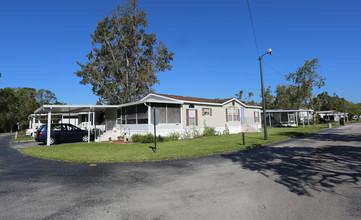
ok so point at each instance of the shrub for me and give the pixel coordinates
(137, 138)
(159, 139)
(186, 134)
(174, 136)
(148, 138)
(226, 130)
(195, 133)
(209, 131)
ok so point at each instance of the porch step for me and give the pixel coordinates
(109, 134)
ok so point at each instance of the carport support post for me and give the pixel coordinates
(48, 129)
(308, 120)
(89, 126)
(155, 133)
(303, 121)
(33, 127)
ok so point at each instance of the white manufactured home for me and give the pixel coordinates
(177, 114)
(332, 115)
(288, 117)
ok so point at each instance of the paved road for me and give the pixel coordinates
(313, 177)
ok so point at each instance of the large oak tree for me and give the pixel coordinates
(124, 60)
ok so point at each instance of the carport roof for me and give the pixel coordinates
(287, 110)
(71, 108)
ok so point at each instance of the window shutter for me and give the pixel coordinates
(187, 116)
(196, 111)
(254, 115)
(258, 117)
(202, 111)
(239, 118)
(226, 115)
(210, 111)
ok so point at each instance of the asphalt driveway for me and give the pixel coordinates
(312, 177)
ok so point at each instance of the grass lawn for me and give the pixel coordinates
(22, 137)
(115, 152)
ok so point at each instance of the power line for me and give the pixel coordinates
(273, 69)
(254, 32)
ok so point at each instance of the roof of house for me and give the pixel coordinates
(152, 97)
(287, 110)
(194, 99)
(330, 112)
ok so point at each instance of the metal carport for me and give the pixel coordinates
(51, 109)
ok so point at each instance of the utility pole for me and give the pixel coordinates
(263, 99)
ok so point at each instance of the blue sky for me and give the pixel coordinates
(215, 52)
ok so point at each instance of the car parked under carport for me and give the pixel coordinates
(62, 133)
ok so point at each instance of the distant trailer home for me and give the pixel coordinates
(177, 114)
(288, 117)
(332, 115)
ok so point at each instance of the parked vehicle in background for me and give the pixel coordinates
(62, 133)
(29, 131)
(323, 120)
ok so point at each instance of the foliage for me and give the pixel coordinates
(148, 138)
(16, 104)
(239, 95)
(124, 58)
(174, 136)
(269, 98)
(136, 138)
(186, 134)
(209, 131)
(46, 97)
(299, 94)
(324, 102)
(226, 130)
(190, 133)
(195, 133)
(250, 95)
(286, 97)
(305, 79)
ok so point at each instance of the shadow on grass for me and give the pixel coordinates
(152, 148)
(304, 169)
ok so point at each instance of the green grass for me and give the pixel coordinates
(22, 137)
(114, 152)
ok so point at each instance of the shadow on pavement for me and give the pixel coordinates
(303, 169)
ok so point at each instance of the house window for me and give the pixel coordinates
(192, 117)
(232, 114)
(142, 114)
(168, 113)
(206, 111)
(136, 114)
(173, 113)
(256, 116)
(131, 115)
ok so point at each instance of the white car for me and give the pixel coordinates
(30, 132)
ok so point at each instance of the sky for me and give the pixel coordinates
(215, 51)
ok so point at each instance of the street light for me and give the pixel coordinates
(263, 100)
